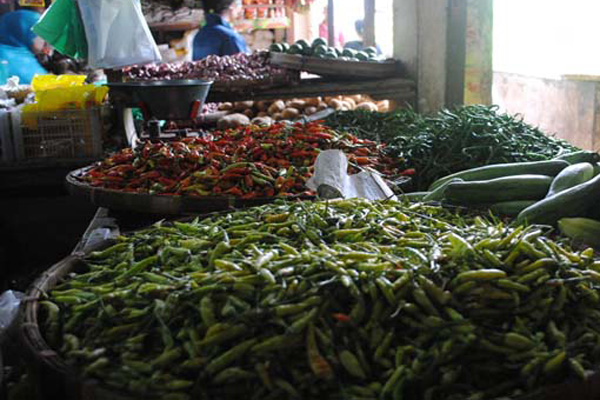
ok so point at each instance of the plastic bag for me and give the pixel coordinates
(46, 82)
(9, 308)
(117, 34)
(61, 26)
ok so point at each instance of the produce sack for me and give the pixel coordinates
(117, 33)
(61, 26)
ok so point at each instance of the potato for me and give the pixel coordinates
(358, 98)
(249, 113)
(276, 107)
(262, 105)
(277, 117)
(242, 105)
(322, 106)
(346, 105)
(297, 104)
(314, 101)
(310, 110)
(367, 105)
(383, 106)
(262, 114)
(262, 121)
(233, 121)
(351, 102)
(225, 106)
(290, 113)
(335, 104)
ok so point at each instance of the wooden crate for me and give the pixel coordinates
(336, 68)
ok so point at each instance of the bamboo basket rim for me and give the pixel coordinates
(165, 204)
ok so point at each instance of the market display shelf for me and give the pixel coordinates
(336, 68)
(158, 204)
(262, 23)
(174, 26)
(398, 89)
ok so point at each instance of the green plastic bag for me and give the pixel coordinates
(61, 26)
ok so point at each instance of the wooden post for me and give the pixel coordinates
(369, 23)
(456, 52)
(330, 24)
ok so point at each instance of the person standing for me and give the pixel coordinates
(359, 45)
(19, 45)
(217, 36)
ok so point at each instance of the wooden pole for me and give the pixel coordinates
(369, 24)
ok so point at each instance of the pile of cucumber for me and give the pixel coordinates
(563, 192)
(319, 49)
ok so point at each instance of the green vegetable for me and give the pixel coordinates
(276, 48)
(414, 196)
(508, 188)
(511, 208)
(583, 230)
(549, 168)
(572, 175)
(573, 202)
(319, 42)
(452, 140)
(289, 300)
(440, 192)
(295, 49)
(580, 156)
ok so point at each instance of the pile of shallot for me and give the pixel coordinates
(255, 66)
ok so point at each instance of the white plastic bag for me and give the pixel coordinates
(117, 33)
(9, 307)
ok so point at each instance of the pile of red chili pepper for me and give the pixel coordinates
(248, 162)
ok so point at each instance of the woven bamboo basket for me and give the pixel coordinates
(57, 380)
(160, 204)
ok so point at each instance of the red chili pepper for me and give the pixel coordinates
(150, 175)
(409, 171)
(342, 317)
(248, 181)
(235, 191)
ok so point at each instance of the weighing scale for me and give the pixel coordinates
(176, 102)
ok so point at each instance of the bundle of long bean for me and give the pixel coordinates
(347, 300)
(452, 140)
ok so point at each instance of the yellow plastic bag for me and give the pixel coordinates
(46, 82)
(62, 94)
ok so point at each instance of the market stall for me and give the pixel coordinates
(287, 224)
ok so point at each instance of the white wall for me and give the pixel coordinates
(547, 38)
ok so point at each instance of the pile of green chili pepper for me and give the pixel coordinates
(246, 162)
(341, 300)
(452, 140)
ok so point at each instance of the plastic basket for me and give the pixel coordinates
(59, 135)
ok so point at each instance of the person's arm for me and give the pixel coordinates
(38, 44)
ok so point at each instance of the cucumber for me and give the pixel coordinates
(507, 188)
(413, 196)
(511, 208)
(577, 201)
(571, 176)
(580, 156)
(549, 167)
(583, 230)
(439, 193)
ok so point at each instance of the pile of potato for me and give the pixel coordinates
(243, 113)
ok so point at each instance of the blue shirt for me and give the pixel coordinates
(217, 37)
(16, 39)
